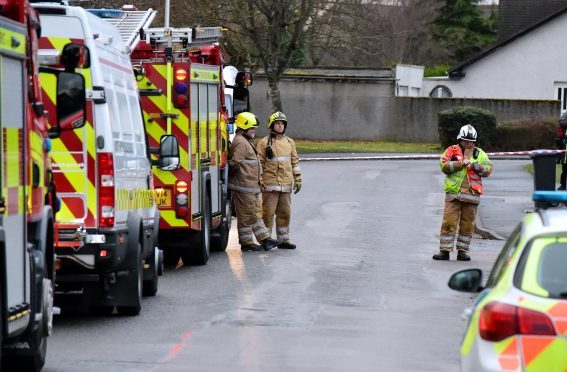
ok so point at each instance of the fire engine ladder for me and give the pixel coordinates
(187, 37)
(130, 23)
(166, 38)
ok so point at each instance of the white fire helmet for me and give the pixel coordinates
(467, 133)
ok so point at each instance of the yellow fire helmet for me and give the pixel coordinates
(277, 116)
(246, 120)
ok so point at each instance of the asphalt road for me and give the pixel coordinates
(360, 293)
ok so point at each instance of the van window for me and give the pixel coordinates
(138, 126)
(125, 120)
(112, 109)
(53, 25)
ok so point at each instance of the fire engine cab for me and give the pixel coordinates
(27, 193)
(180, 78)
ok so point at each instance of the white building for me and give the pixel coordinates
(531, 64)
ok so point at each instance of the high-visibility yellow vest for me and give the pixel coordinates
(451, 164)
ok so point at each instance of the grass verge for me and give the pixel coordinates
(306, 147)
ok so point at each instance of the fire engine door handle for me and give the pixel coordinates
(149, 181)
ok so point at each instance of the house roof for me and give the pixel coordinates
(515, 15)
(458, 71)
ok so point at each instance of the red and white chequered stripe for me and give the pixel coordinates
(519, 154)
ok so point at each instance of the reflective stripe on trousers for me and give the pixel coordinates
(278, 188)
(249, 217)
(277, 204)
(461, 215)
(234, 187)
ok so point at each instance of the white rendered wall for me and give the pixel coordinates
(528, 68)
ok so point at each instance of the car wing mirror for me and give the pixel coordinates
(469, 280)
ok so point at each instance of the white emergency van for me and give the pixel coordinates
(107, 223)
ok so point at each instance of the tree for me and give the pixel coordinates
(267, 32)
(372, 33)
(461, 30)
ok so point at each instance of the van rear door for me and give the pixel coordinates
(73, 154)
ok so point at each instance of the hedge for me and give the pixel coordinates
(451, 121)
(525, 135)
(517, 135)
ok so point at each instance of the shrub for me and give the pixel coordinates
(451, 120)
(523, 135)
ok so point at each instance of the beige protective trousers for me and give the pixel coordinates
(249, 216)
(278, 204)
(457, 214)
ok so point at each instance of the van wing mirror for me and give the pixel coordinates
(75, 56)
(243, 79)
(168, 153)
(71, 101)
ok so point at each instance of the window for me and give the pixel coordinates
(552, 275)
(541, 270)
(441, 91)
(561, 91)
(502, 261)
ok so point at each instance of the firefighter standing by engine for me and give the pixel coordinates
(464, 166)
(245, 181)
(281, 175)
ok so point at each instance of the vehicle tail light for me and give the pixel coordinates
(181, 88)
(182, 212)
(499, 321)
(181, 186)
(106, 198)
(535, 323)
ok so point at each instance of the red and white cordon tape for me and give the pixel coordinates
(515, 154)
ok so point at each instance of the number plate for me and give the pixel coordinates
(162, 197)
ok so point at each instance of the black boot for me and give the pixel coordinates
(463, 256)
(286, 245)
(269, 243)
(441, 256)
(251, 247)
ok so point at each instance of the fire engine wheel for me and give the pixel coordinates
(200, 241)
(219, 240)
(151, 285)
(47, 306)
(137, 285)
(34, 359)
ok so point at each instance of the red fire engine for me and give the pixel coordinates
(180, 78)
(27, 193)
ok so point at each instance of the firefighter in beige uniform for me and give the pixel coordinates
(464, 166)
(281, 175)
(245, 181)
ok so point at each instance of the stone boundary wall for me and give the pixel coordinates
(367, 110)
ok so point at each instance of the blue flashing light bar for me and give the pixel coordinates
(550, 196)
(107, 13)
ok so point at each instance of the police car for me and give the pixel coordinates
(519, 321)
